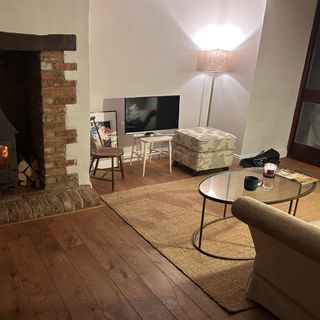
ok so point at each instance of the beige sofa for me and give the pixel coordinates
(286, 273)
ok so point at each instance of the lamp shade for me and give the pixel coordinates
(213, 61)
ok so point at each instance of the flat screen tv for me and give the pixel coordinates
(148, 114)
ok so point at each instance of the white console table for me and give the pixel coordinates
(143, 149)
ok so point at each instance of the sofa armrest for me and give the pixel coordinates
(291, 231)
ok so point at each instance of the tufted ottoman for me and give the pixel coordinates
(203, 148)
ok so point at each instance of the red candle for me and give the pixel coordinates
(269, 170)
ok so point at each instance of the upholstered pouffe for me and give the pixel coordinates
(203, 148)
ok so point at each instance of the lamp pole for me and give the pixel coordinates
(210, 100)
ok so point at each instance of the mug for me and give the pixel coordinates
(251, 183)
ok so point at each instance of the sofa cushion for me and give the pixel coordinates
(203, 139)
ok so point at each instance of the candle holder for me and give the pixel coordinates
(267, 184)
(269, 170)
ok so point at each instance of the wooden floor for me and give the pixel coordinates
(92, 265)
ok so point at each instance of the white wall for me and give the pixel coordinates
(137, 49)
(146, 47)
(232, 92)
(64, 17)
(232, 89)
(283, 47)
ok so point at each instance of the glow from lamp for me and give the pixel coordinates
(226, 38)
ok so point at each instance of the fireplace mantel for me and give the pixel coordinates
(33, 42)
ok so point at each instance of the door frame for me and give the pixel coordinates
(295, 150)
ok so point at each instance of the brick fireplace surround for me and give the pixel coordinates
(56, 93)
(61, 191)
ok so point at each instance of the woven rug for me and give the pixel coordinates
(167, 214)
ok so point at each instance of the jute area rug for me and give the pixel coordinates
(167, 214)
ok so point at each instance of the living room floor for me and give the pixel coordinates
(66, 267)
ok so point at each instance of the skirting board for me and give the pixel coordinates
(237, 157)
(127, 154)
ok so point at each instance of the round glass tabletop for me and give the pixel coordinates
(227, 186)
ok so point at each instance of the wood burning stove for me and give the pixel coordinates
(8, 154)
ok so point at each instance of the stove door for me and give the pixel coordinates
(4, 156)
(8, 163)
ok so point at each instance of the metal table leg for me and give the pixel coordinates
(202, 220)
(290, 207)
(112, 172)
(296, 207)
(297, 201)
(225, 210)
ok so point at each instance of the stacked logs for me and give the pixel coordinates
(28, 173)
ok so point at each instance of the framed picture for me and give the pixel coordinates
(107, 126)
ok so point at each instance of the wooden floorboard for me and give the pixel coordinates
(156, 172)
(136, 291)
(15, 302)
(108, 296)
(93, 265)
(192, 291)
(44, 298)
(67, 280)
(180, 305)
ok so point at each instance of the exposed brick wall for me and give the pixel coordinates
(56, 93)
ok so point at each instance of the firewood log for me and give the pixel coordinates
(27, 182)
(29, 172)
(22, 176)
(22, 166)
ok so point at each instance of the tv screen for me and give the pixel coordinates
(143, 114)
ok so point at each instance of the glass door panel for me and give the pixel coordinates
(304, 142)
(313, 81)
(308, 131)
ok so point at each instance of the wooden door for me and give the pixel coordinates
(304, 142)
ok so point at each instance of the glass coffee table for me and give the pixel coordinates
(226, 187)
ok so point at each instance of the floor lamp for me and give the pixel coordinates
(212, 61)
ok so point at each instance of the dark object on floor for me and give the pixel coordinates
(260, 159)
(195, 173)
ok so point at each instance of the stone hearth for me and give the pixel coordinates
(42, 203)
